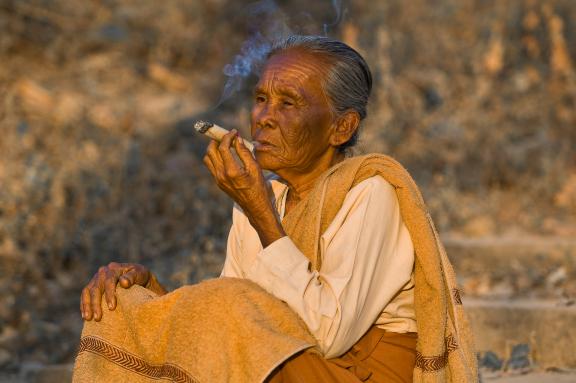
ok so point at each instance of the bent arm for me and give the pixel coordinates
(367, 258)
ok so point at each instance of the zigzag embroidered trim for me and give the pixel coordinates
(435, 363)
(457, 297)
(133, 363)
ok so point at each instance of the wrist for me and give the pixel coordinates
(269, 229)
(263, 218)
(150, 281)
(154, 285)
(258, 211)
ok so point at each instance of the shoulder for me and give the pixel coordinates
(374, 188)
(376, 183)
(373, 196)
(368, 209)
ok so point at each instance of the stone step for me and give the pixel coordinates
(548, 328)
(501, 254)
(514, 267)
(38, 373)
(535, 377)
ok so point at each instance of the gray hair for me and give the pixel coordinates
(348, 80)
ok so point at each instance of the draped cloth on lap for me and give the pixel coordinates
(221, 330)
(230, 330)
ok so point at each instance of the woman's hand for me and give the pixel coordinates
(104, 283)
(245, 184)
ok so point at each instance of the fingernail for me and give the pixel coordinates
(110, 306)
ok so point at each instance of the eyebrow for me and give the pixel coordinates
(291, 92)
(258, 90)
(284, 90)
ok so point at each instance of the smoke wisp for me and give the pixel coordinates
(268, 23)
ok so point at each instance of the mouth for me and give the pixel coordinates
(262, 145)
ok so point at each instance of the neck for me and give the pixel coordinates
(300, 183)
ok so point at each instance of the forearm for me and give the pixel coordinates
(267, 224)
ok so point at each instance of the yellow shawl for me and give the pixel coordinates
(231, 330)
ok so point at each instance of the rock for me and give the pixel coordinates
(8, 335)
(557, 276)
(5, 357)
(541, 331)
(519, 358)
(490, 361)
(37, 373)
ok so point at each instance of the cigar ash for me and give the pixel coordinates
(203, 126)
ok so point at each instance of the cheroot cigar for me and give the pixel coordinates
(217, 132)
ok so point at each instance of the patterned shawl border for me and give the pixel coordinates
(457, 297)
(133, 363)
(436, 363)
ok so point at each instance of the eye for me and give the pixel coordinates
(260, 98)
(287, 103)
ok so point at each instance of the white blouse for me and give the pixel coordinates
(366, 276)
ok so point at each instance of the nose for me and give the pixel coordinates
(263, 116)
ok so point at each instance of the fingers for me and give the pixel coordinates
(231, 167)
(128, 279)
(110, 287)
(96, 300)
(82, 304)
(85, 307)
(244, 154)
(220, 161)
(213, 161)
(104, 283)
(135, 275)
(210, 165)
(142, 275)
(212, 151)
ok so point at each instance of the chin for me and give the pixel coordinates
(267, 161)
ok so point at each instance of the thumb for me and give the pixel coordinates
(136, 275)
(128, 279)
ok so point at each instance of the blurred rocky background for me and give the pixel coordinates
(99, 162)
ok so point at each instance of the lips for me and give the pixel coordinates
(262, 144)
(261, 147)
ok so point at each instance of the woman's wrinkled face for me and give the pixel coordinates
(291, 118)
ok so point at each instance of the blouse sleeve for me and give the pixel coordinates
(367, 258)
(233, 249)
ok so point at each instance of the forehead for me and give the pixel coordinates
(296, 69)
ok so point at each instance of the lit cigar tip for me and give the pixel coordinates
(202, 126)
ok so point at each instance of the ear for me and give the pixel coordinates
(344, 127)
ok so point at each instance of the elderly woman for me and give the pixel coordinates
(350, 276)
